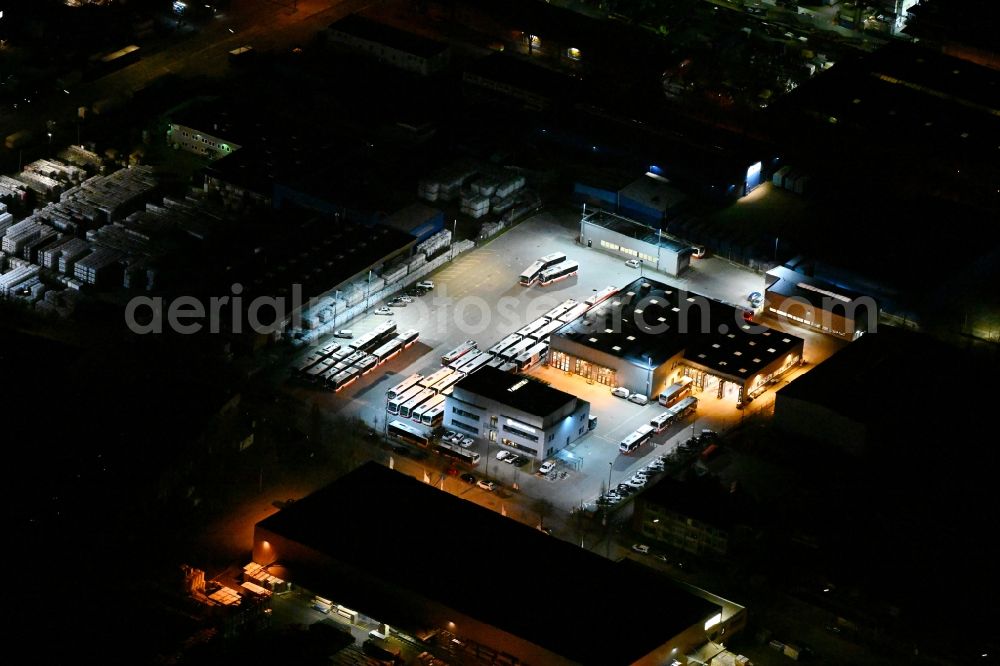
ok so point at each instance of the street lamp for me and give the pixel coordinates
(775, 249)
(454, 231)
(368, 291)
(611, 466)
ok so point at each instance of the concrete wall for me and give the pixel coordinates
(662, 259)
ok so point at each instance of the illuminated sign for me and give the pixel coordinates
(518, 385)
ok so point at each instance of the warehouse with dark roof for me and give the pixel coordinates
(406, 554)
(650, 335)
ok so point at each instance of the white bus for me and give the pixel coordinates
(406, 409)
(367, 364)
(388, 350)
(505, 343)
(433, 378)
(418, 413)
(531, 356)
(407, 338)
(434, 416)
(466, 360)
(601, 296)
(545, 332)
(458, 352)
(661, 422)
(516, 350)
(496, 362)
(472, 365)
(560, 309)
(395, 403)
(456, 452)
(405, 432)
(558, 272)
(636, 439)
(533, 326)
(447, 382)
(531, 274)
(685, 406)
(344, 379)
(673, 393)
(403, 386)
(574, 313)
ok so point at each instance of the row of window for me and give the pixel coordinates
(520, 433)
(807, 322)
(629, 251)
(461, 425)
(462, 412)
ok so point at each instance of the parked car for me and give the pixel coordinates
(383, 311)
(640, 548)
(448, 435)
(452, 471)
(632, 263)
(620, 392)
(638, 399)
(468, 478)
(511, 458)
(466, 442)
(426, 284)
(624, 489)
(547, 467)
(504, 455)
(404, 299)
(756, 298)
(698, 252)
(396, 303)
(486, 485)
(344, 333)
(519, 461)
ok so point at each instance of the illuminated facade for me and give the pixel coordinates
(521, 414)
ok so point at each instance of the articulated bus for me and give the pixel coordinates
(532, 327)
(636, 439)
(466, 359)
(433, 378)
(685, 406)
(513, 352)
(309, 362)
(474, 364)
(405, 432)
(546, 331)
(344, 379)
(403, 386)
(314, 373)
(374, 338)
(560, 309)
(330, 349)
(574, 313)
(418, 413)
(457, 453)
(367, 364)
(447, 382)
(407, 338)
(388, 350)
(505, 343)
(458, 352)
(558, 272)
(395, 403)
(531, 356)
(406, 409)
(661, 422)
(434, 415)
(673, 393)
(601, 296)
(532, 273)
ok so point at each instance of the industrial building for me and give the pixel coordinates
(394, 556)
(199, 141)
(814, 303)
(518, 412)
(649, 199)
(633, 240)
(418, 220)
(401, 49)
(650, 334)
(697, 516)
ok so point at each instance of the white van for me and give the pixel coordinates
(638, 399)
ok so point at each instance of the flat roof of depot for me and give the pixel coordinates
(522, 393)
(660, 321)
(633, 229)
(429, 536)
(818, 293)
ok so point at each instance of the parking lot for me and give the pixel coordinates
(477, 297)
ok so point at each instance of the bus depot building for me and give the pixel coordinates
(383, 545)
(650, 335)
(518, 412)
(629, 239)
(819, 305)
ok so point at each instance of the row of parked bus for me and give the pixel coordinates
(337, 366)
(405, 432)
(548, 269)
(422, 399)
(658, 424)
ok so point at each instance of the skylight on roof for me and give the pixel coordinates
(617, 348)
(770, 350)
(690, 299)
(737, 353)
(607, 330)
(786, 339)
(701, 356)
(630, 338)
(731, 336)
(654, 301)
(715, 345)
(742, 370)
(592, 339)
(676, 309)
